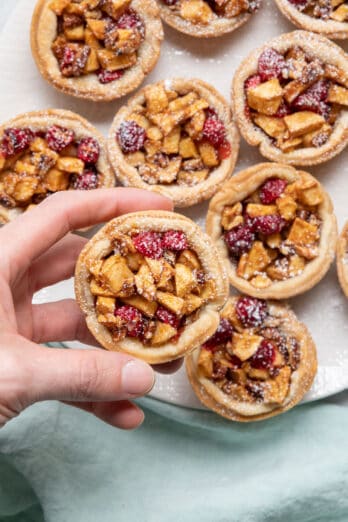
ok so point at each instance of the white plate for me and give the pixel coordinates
(323, 309)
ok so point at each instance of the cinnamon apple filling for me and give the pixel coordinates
(336, 10)
(251, 357)
(37, 163)
(100, 37)
(273, 233)
(173, 137)
(200, 12)
(295, 98)
(150, 287)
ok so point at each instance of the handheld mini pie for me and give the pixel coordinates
(260, 362)
(176, 137)
(45, 152)
(342, 259)
(275, 229)
(207, 19)
(328, 18)
(290, 99)
(151, 285)
(96, 49)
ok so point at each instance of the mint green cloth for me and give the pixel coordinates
(181, 465)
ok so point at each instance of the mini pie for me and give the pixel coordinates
(342, 259)
(275, 229)
(328, 17)
(96, 49)
(260, 362)
(291, 99)
(151, 284)
(206, 19)
(45, 152)
(175, 137)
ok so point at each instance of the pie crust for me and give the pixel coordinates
(342, 257)
(217, 26)
(41, 121)
(301, 378)
(242, 186)
(182, 195)
(206, 318)
(330, 28)
(315, 46)
(43, 34)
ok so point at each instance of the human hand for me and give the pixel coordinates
(38, 250)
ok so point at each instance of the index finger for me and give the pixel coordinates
(31, 234)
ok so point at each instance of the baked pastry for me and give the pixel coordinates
(260, 362)
(48, 151)
(275, 230)
(291, 99)
(175, 137)
(342, 259)
(96, 49)
(206, 19)
(329, 18)
(151, 285)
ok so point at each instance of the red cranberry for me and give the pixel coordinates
(105, 76)
(269, 224)
(239, 240)
(86, 181)
(284, 110)
(311, 98)
(222, 335)
(131, 136)
(251, 311)
(271, 190)
(68, 58)
(237, 363)
(133, 319)
(58, 138)
(224, 150)
(131, 20)
(214, 131)
(15, 140)
(174, 240)
(167, 317)
(252, 81)
(265, 356)
(270, 65)
(210, 112)
(88, 150)
(149, 244)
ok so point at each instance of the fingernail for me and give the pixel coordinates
(138, 378)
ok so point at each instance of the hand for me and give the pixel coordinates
(38, 250)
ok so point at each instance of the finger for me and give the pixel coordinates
(34, 232)
(170, 367)
(123, 414)
(57, 264)
(60, 321)
(86, 375)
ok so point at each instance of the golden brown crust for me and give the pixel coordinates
(194, 334)
(301, 381)
(182, 196)
(330, 28)
(342, 258)
(237, 189)
(40, 120)
(326, 51)
(43, 33)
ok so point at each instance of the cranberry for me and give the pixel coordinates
(167, 317)
(86, 181)
(210, 112)
(271, 65)
(239, 240)
(131, 136)
(271, 190)
(222, 335)
(284, 110)
(131, 20)
(174, 240)
(237, 363)
(68, 57)
(214, 131)
(88, 150)
(252, 81)
(311, 98)
(58, 138)
(105, 76)
(224, 150)
(251, 311)
(15, 140)
(133, 319)
(265, 356)
(269, 224)
(149, 244)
